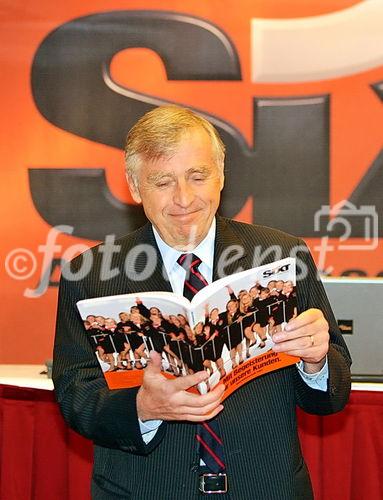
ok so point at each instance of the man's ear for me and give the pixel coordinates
(133, 189)
(222, 181)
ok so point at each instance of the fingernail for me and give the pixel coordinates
(278, 337)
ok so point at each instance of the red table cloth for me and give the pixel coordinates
(41, 458)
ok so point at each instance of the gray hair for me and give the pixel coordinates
(157, 134)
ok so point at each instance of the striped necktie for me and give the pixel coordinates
(208, 436)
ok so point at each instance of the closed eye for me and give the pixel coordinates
(199, 174)
(163, 182)
(200, 177)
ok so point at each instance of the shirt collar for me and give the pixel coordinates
(205, 250)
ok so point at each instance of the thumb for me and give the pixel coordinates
(155, 363)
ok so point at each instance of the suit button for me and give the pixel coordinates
(194, 467)
(333, 390)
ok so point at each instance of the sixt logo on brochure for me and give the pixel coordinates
(276, 270)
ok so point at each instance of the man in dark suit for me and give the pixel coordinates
(145, 445)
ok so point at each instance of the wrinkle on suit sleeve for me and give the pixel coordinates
(311, 294)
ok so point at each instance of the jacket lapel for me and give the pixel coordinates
(148, 262)
(230, 255)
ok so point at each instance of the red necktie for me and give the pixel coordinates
(208, 435)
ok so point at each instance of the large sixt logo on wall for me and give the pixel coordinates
(73, 89)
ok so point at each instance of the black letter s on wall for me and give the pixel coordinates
(73, 89)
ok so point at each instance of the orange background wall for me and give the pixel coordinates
(30, 141)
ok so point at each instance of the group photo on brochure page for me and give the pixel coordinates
(225, 325)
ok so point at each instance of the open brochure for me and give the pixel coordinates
(225, 329)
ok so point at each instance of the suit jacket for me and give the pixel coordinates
(258, 423)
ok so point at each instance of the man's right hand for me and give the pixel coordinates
(160, 398)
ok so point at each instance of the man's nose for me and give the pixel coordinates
(183, 194)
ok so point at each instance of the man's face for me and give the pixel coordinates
(181, 194)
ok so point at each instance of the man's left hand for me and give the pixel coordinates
(305, 336)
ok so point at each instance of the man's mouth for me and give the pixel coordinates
(184, 215)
